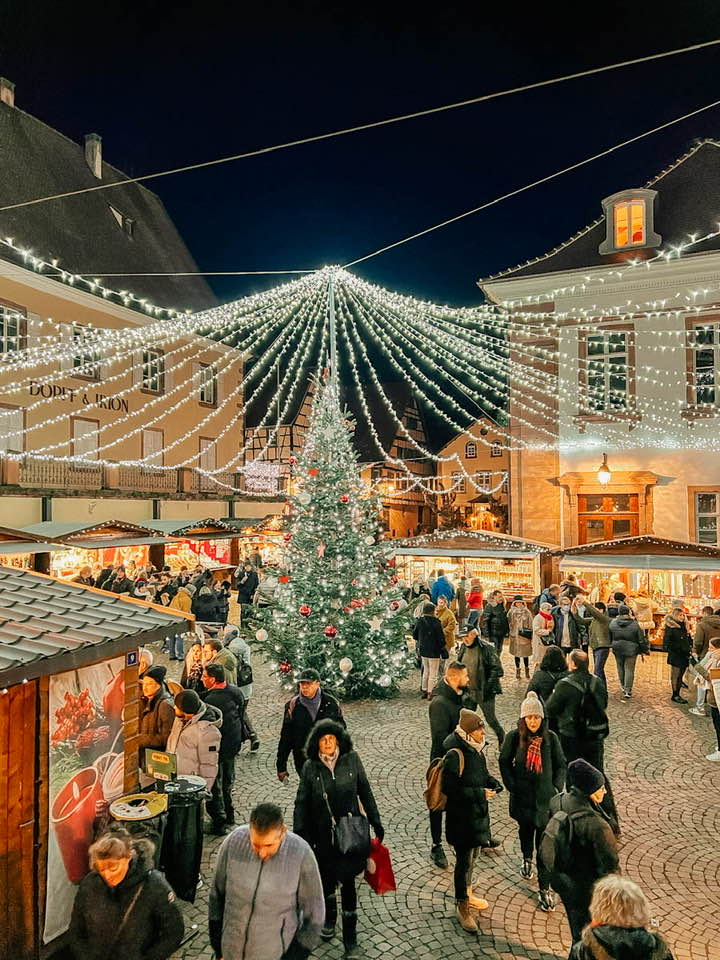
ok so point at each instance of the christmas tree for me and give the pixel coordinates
(338, 606)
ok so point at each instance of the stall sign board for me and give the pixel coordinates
(160, 765)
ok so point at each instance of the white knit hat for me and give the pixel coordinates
(532, 706)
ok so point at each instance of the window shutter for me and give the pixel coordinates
(66, 339)
(137, 367)
(169, 365)
(195, 382)
(30, 322)
(220, 386)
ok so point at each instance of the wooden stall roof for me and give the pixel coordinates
(49, 625)
(14, 541)
(208, 529)
(95, 536)
(469, 543)
(644, 545)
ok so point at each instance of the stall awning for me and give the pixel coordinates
(207, 529)
(96, 536)
(639, 561)
(11, 547)
(470, 543)
(446, 552)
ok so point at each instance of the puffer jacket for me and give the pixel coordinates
(707, 628)
(449, 623)
(467, 821)
(196, 743)
(594, 849)
(543, 682)
(626, 637)
(643, 608)
(444, 711)
(153, 928)
(182, 600)
(605, 942)
(342, 791)
(494, 622)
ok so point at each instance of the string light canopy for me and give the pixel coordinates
(460, 365)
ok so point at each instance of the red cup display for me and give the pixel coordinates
(73, 818)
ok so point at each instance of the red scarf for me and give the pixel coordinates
(533, 759)
(548, 616)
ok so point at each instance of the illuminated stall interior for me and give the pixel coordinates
(18, 548)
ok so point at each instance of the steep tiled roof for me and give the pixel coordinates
(688, 202)
(82, 232)
(48, 625)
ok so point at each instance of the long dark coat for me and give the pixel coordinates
(345, 788)
(296, 726)
(467, 821)
(531, 793)
(678, 643)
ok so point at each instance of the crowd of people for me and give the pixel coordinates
(278, 889)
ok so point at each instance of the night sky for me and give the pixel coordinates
(169, 84)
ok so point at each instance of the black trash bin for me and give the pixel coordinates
(143, 815)
(183, 838)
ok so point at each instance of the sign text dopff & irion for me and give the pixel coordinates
(49, 390)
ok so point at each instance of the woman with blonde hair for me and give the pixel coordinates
(124, 907)
(620, 917)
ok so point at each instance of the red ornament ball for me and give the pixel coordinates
(304, 610)
(353, 583)
(394, 605)
(345, 498)
(292, 461)
(284, 579)
(346, 609)
(313, 471)
(330, 631)
(285, 668)
(394, 579)
(357, 604)
(287, 537)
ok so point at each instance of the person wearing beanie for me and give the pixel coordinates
(532, 766)
(467, 785)
(484, 673)
(593, 852)
(521, 633)
(195, 737)
(156, 715)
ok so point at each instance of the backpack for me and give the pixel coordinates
(591, 718)
(244, 673)
(434, 796)
(556, 845)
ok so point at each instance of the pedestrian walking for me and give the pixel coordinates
(552, 667)
(430, 647)
(334, 785)
(124, 907)
(475, 602)
(678, 644)
(266, 898)
(444, 713)
(619, 921)
(532, 766)
(448, 622)
(484, 673)
(195, 737)
(461, 598)
(707, 626)
(206, 606)
(567, 625)
(301, 713)
(228, 699)
(711, 662)
(468, 785)
(543, 632)
(442, 588)
(240, 649)
(586, 850)
(494, 621)
(247, 581)
(599, 636)
(520, 622)
(627, 641)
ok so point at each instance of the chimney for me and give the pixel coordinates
(93, 153)
(7, 92)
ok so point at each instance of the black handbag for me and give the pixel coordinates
(351, 833)
(524, 632)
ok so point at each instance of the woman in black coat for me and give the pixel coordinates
(678, 644)
(532, 766)
(467, 785)
(552, 667)
(333, 784)
(205, 606)
(430, 648)
(123, 884)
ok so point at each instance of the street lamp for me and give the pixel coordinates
(604, 475)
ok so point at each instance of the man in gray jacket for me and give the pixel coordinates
(266, 900)
(195, 737)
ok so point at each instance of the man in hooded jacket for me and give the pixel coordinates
(195, 737)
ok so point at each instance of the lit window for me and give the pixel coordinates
(10, 330)
(706, 362)
(470, 450)
(153, 371)
(707, 508)
(86, 359)
(496, 450)
(629, 223)
(458, 483)
(208, 384)
(484, 478)
(607, 371)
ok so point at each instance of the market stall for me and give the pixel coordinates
(210, 543)
(68, 727)
(107, 543)
(19, 548)
(499, 561)
(263, 537)
(665, 572)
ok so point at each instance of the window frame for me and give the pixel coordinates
(23, 414)
(7, 306)
(161, 461)
(612, 414)
(458, 481)
(73, 438)
(470, 445)
(202, 385)
(160, 354)
(693, 409)
(694, 516)
(651, 239)
(85, 358)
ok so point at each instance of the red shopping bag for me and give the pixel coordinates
(379, 872)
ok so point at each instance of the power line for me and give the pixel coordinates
(199, 273)
(366, 126)
(529, 186)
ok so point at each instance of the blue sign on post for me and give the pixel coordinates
(131, 659)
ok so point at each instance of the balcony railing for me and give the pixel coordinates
(53, 473)
(147, 480)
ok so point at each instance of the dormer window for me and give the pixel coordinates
(629, 219)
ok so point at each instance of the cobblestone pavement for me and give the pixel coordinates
(668, 796)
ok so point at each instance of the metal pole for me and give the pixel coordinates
(333, 332)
